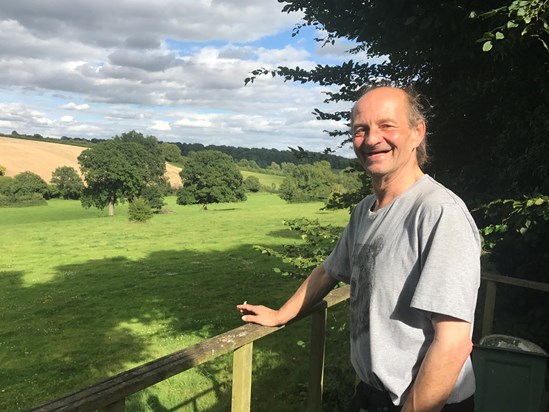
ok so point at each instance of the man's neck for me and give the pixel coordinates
(387, 188)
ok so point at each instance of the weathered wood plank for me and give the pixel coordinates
(242, 379)
(530, 284)
(489, 308)
(316, 363)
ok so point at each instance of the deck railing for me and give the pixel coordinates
(110, 394)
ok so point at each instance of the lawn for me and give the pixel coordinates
(84, 296)
(264, 178)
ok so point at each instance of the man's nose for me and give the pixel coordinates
(372, 137)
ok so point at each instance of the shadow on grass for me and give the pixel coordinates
(93, 320)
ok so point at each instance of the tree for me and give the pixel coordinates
(2, 170)
(120, 169)
(171, 152)
(308, 183)
(210, 177)
(68, 182)
(483, 104)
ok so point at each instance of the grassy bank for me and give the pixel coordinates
(84, 296)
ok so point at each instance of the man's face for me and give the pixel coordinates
(383, 140)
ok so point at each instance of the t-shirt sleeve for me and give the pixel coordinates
(338, 264)
(450, 262)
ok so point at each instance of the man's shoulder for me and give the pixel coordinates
(435, 194)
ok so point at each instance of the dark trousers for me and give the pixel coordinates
(370, 399)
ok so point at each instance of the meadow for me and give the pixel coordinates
(265, 179)
(84, 296)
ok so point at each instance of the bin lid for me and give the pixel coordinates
(511, 342)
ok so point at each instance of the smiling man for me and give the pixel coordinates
(411, 253)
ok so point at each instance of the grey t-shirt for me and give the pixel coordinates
(418, 255)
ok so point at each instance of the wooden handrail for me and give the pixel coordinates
(110, 394)
(492, 279)
(114, 390)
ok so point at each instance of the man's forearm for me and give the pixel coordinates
(311, 291)
(440, 369)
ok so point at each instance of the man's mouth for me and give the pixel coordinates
(373, 153)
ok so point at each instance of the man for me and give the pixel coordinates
(411, 253)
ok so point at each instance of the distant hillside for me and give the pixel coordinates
(43, 157)
(261, 156)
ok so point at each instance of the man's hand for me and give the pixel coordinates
(311, 291)
(259, 314)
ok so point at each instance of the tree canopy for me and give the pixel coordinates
(67, 181)
(121, 169)
(490, 110)
(210, 177)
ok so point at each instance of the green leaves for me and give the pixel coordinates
(210, 176)
(304, 257)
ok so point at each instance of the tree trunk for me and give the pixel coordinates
(111, 206)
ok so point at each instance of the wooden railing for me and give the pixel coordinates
(492, 280)
(110, 394)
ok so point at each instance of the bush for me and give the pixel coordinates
(304, 257)
(28, 199)
(5, 201)
(139, 210)
(251, 184)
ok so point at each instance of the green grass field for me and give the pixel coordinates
(84, 296)
(264, 179)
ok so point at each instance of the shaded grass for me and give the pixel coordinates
(84, 296)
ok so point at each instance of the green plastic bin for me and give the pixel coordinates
(511, 375)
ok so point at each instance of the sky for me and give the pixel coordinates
(173, 69)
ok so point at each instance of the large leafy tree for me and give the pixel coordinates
(308, 183)
(121, 169)
(490, 101)
(67, 181)
(210, 176)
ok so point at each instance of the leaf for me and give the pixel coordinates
(499, 35)
(487, 46)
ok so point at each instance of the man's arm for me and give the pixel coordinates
(311, 291)
(440, 368)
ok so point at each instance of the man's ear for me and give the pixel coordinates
(418, 133)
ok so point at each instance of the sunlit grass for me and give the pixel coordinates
(84, 296)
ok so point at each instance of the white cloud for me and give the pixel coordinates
(183, 61)
(161, 126)
(74, 106)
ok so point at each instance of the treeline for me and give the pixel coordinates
(263, 157)
(258, 157)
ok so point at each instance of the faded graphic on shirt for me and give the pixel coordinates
(362, 284)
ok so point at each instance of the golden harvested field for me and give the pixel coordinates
(42, 158)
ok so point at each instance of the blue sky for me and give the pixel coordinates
(171, 68)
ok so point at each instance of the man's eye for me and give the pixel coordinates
(359, 132)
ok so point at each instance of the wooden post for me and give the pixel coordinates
(118, 406)
(242, 378)
(489, 308)
(317, 354)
